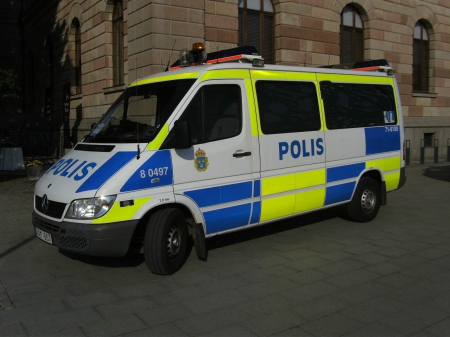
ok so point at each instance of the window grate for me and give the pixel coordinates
(428, 139)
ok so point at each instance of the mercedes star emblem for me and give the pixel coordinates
(44, 203)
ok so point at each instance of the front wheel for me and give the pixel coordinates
(166, 241)
(366, 201)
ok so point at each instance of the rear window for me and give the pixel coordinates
(350, 105)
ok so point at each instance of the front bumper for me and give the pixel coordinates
(98, 240)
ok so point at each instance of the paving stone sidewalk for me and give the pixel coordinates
(314, 275)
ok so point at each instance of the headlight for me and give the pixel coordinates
(90, 208)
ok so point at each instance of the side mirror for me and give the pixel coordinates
(182, 133)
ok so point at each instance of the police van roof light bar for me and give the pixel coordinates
(372, 65)
(196, 56)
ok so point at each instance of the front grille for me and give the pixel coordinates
(46, 225)
(55, 209)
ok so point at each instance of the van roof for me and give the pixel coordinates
(196, 71)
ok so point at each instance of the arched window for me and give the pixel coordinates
(256, 26)
(421, 58)
(77, 28)
(118, 43)
(352, 46)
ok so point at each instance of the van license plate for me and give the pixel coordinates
(44, 236)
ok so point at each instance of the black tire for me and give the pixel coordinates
(166, 241)
(366, 201)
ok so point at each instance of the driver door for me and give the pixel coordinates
(217, 172)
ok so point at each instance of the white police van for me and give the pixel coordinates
(220, 146)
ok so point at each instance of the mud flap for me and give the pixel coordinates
(200, 242)
(383, 193)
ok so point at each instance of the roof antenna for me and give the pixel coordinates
(138, 156)
(168, 62)
(304, 60)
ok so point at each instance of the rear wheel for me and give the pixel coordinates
(366, 201)
(166, 241)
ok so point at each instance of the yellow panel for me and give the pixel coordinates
(254, 117)
(268, 75)
(278, 207)
(300, 76)
(278, 184)
(157, 142)
(310, 178)
(308, 200)
(225, 74)
(117, 213)
(392, 180)
(386, 164)
(165, 78)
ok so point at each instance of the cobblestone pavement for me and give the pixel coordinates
(314, 275)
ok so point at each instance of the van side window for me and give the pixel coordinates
(214, 113)
(287, 106)
(349, 105)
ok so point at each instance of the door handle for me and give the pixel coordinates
(241, 154)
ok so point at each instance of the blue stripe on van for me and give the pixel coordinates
(344, 172)
(227, 218)
(234, 192)
(106, 171)
(382, 139)
(205, 197)
(222, 194)
(339, 193)
(151, 169)
(256, 212)
(257, 188)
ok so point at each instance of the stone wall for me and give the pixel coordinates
(307, 32)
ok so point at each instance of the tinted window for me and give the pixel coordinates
(214, 113)
(349, 105)
(287, 106)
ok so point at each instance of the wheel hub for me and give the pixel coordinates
(368, 200)
(173, 241)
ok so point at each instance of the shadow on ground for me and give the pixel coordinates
(275, 227)
(11, 175)
(438, 172)
(134, 259)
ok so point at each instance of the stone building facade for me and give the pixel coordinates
(297, 32)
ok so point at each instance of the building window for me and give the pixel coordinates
(76, 26)
(428, 139)
(256, 27)
(352, 46)
(118, 43)
(421, 57)
(30, 85)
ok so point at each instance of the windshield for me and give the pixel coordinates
(139, 113)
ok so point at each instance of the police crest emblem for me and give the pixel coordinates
(201, 160)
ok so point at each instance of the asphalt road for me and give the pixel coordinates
(313, 275)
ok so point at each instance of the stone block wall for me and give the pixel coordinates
(307, 32)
